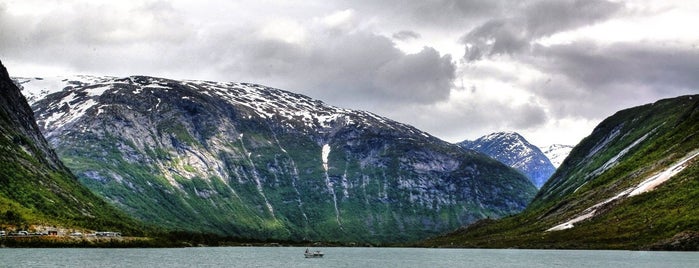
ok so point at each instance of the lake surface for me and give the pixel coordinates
(340, 257)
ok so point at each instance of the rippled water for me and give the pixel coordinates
(340, 257)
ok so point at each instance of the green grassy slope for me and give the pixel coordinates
(35, 188)
(645, 141)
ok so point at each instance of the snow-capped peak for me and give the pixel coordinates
(556, 153)
(513, 150)
(36, 88)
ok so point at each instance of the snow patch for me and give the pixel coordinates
(556, 153)
(643, 187)
(73, 113)
(37, 88)
(654, 181)
(324, 155)
(97, 91)
(156, 86)
(325, 151)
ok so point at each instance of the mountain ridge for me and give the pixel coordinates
(248, 160)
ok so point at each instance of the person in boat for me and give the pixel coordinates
(306, 250)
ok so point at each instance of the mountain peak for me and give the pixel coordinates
(503, 135)
(515, 151)
(4, 75)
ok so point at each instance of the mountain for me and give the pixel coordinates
(36, 190)
(556, 153)
(252, 161)
(631, 184)
(513, 150)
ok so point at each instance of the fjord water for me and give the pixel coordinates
(341, 257)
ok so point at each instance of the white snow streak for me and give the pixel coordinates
(653, 182)
(331, 189)
(72, 114)
(256, 177)
(615, 132)
(97, 91)
(643, 187)
(325, 151)
(614, 160)
(324, 155)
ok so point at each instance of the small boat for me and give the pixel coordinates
(313, 254)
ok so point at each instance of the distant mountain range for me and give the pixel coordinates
(252, 161)
(513, 150)
(631, 184)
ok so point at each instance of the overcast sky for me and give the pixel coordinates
(550, 70)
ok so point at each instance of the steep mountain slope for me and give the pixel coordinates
(513, 150)
(556, 153)
(35, 187)
(252, 161)
(631, 184)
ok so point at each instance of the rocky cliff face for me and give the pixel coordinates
(18, 119)
(35, 187)
(513, 150)
(252, 161)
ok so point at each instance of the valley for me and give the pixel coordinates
(254, 163)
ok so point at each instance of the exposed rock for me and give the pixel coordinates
(35, 186)
(683, 241)
(249, 160)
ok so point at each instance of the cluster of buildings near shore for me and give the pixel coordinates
(21, 234)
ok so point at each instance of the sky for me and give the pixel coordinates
(548, 69)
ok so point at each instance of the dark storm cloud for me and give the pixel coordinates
(586, 79)
(550, 16)
(424, 77)
(481, 116)
(597, 66)
(514, 33)
(495, 37)
(359, 67)
(443, 14)
(583, 79)
(406, 35)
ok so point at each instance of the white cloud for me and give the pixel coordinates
(340, 19)
(285, 30)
